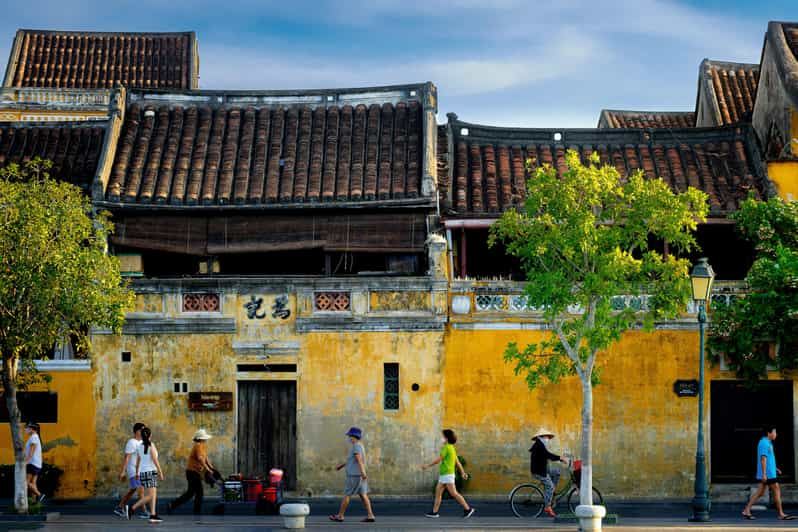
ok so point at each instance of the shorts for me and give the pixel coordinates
(446, 479)
(134, 483)
(149, 479)
(356, 486)
(769, 481)
(31, 469)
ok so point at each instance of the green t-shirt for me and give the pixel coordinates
(448, 458)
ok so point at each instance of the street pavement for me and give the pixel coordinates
(400, 514)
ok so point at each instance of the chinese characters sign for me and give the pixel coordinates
(256, 310)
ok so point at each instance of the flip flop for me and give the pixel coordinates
(788, 518)
(748, 516)
(368, 520)
(336, 518)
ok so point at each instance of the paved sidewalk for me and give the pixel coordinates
(394, 514)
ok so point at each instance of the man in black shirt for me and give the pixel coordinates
(539, 466)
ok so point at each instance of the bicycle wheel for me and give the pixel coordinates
(573, 499)
(526, 501)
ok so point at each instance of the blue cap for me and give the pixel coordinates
(355, 432)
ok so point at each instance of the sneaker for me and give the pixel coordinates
(120, 511)
(155, 519)
(432, 515)
(144, 515)
(128, 511)
(468, 513)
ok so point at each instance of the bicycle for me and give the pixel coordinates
(526, 499)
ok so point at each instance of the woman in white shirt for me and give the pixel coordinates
(33, 458)
(148, 471)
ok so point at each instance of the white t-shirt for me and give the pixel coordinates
(36, 459)
(146, 463)
(130, 450)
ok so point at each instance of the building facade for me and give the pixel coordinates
(304, 261)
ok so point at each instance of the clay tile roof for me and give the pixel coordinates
(645, 119)
(488, 163)
(74, 148)
(209, 148)
(94, 60)
(727, 92)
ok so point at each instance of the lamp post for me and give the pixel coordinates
(701, 281)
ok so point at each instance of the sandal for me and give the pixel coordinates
(368, 520)
(337, 518)
(749, 517)
(788, 517)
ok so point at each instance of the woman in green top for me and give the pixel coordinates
(448, 460)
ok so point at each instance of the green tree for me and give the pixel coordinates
(56, 279)
(742, 331)
(583, 239)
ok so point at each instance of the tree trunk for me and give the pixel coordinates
(9, 375)
(586, 484)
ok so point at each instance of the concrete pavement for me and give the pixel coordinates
(394, 514)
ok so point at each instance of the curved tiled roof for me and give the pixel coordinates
(488, 163)
(645, 119)
(730, 91)
(94, 60)
(188, 153)
(75, 149)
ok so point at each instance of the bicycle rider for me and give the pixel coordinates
(539, 466)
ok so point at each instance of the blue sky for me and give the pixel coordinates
(502, 62)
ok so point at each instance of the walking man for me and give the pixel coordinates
(539, 467)
(356, 479)
(129, 471)
(767, 475)
(198, 464)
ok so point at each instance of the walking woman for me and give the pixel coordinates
(33, 458)
(148, 471)
(197, 465)
(448, 460)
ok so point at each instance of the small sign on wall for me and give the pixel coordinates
(210, 401)
(684, 388)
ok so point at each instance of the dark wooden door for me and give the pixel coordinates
(267, 428)
(738, 415)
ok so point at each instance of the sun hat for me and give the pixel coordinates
(202, 434)
(355, 432)
(543, 432)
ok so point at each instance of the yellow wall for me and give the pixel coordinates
(644, 435)
(341, 384)
(784, 175)
(69, 444)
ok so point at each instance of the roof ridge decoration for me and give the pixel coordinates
(276, 149)
(487, 164)
(621, 118)
(776, 112)
(91, 59)
(726, 92)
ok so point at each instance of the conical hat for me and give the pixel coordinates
(542, 432)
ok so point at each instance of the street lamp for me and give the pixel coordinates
(701, 281)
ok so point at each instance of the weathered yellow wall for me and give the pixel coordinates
(71, 443)
(341, 384)
(784, 175)
(644, 435)
(141, 391)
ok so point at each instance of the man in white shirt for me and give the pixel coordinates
(129, 471)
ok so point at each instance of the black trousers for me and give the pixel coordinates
(194, 490)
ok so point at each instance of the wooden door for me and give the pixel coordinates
(267, 428)
(738, 415)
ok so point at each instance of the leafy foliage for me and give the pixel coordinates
(768, 314)
(584, 238)
(56, 278)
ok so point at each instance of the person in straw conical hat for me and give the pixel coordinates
(539, 466)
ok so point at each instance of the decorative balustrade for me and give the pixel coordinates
(204, 302)
(332, 301)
